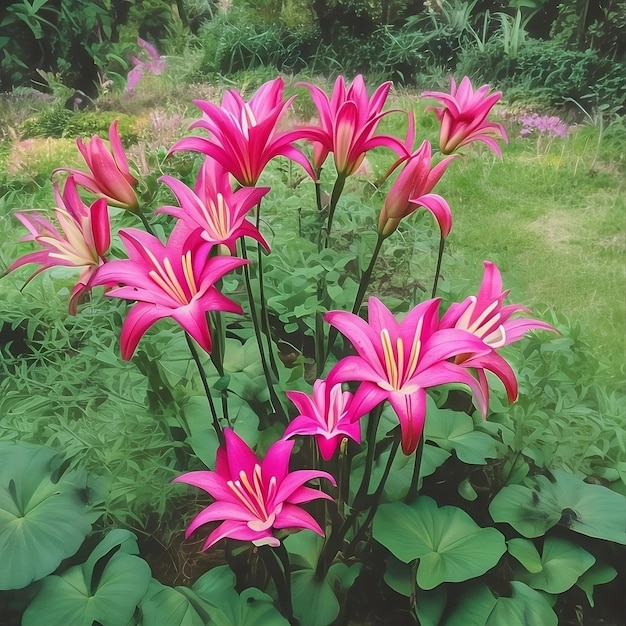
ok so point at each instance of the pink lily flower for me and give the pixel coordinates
(398, 361)
(329, 415)
(347, 126)
(109, 174)
(486, 317)
(253, 497)
(463, 116)
(83, 240)
(214, 207)
(244, 136)
(174, 280)
(155, 64)
(412, 190)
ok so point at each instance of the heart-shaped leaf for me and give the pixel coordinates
(566, 500)
(562, 564)
(45, 512)
(73, 600)
(525, 606)
(450, 546)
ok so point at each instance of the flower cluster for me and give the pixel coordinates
(392, 360)
(549, 125)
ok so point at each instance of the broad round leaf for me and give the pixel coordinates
(562, 564)
(314, 601)
(450, 546)
(45, 513)
(453, 430)
(68, 599)
(525, 607)
(214, 593)
(525, 552)
(592, 510)
(165, 605)
(598, 574)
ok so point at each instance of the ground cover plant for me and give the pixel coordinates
(277, 371)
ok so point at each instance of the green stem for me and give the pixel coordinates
(276, 405)
(334, 199)
(363, 285)
(411, 494)
(217, 357)
(377, 495)
(281, 575)
(332, 546)
(145, 222)
(265, 318)
(207, 389)
(442, 244)
(372, 427)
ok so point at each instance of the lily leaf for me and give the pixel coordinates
(450, 546)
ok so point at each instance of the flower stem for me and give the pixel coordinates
(411, 494)
(442, 244)
(363, 285)
(207, 389)
(277, 565)
(256, 323)
(334, 199)
(377, 495)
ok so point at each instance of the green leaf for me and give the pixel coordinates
(68, 599)
(562, 564)
(304, 548)
(597, 574)
(431, 605)
(215, 594)
(451, 547)
(525, 607)
(474, 606)
(314, 601)
(526, 553)
(398, 575)
(592, 510)
(453, 430)
(165, 605)
(44, 517)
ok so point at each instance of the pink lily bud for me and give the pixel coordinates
(412, 190)
(109, 174)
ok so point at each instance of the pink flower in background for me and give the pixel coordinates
(109, 174)
(398, 361)
(154, 64)
(550, 125)
(174, 280)
(347, 124)
(252, 497)
(245, 136)
(488, 318)
(463, 117)
(412, 190)
(214, 207)
(82, 242)
(328, 415)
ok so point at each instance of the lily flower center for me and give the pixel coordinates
(249, 490)
(486, 326)
(247, 120)
(398, 365)
(74, 248)
(335, 410)
(165, 277)
(217, 216)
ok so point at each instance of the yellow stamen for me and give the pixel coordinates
(188, 272)
(390, 364)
